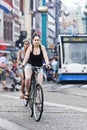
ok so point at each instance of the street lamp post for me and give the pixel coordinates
(44, 26)
(43, 10)
(57, 20)
(44, 20)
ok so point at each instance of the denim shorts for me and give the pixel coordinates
(20, 71)
(29, 66)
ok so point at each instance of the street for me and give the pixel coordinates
(65, 108)
(58, 41)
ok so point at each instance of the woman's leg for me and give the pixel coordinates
(22, 84)
(40, 77)
(3, 83)
(22, 88)
(28, 73)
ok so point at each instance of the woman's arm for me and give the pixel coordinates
(19, 57)
(45, 55)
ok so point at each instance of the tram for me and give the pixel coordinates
(72, 55)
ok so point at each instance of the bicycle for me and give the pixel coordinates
(35, 98)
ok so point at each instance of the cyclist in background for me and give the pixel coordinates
(35, 55)
(20, 58)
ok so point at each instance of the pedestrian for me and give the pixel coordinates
(54, 64)
(3, 69)
(35, 55)
(20, 58)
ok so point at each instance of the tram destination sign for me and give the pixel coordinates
(76, 39)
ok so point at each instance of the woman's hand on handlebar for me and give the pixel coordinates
(20, 65)
(48, 66)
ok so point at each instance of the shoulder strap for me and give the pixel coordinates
(32, 48)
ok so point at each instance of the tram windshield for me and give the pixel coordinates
(75, 52)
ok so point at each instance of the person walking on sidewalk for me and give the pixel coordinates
(54, 64)
(3, 69)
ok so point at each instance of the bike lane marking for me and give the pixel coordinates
(69, 107)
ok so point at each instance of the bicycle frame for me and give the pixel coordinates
(33, 86)
(34, 89)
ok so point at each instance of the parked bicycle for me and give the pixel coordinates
(35, 98)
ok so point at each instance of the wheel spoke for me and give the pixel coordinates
(38, 103)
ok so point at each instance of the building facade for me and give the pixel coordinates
(16, 22)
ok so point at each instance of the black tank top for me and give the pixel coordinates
(36, 60)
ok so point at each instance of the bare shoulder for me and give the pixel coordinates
(19, 52)
(43, 47)
(30, 48)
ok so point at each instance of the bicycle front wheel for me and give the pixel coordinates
(38, 103)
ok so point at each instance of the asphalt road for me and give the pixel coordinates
(65, 108)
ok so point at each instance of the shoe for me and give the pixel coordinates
(5, 88)
(26, 96)
(21, 96)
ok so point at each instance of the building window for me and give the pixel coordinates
(31, 5)
(7, 30)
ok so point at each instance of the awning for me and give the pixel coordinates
(4, 45)
(2, 42)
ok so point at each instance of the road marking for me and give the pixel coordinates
(9, 96)
(7, 125)
(79, 109)
(84, 86)
(60, 86)
(66, 86)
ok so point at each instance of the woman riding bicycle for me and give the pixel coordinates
(20, 58)
(35, 55)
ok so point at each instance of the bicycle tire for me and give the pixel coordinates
(25, 102)
(30, 100)
(38, 107)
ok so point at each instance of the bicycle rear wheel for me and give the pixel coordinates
(38, 103)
